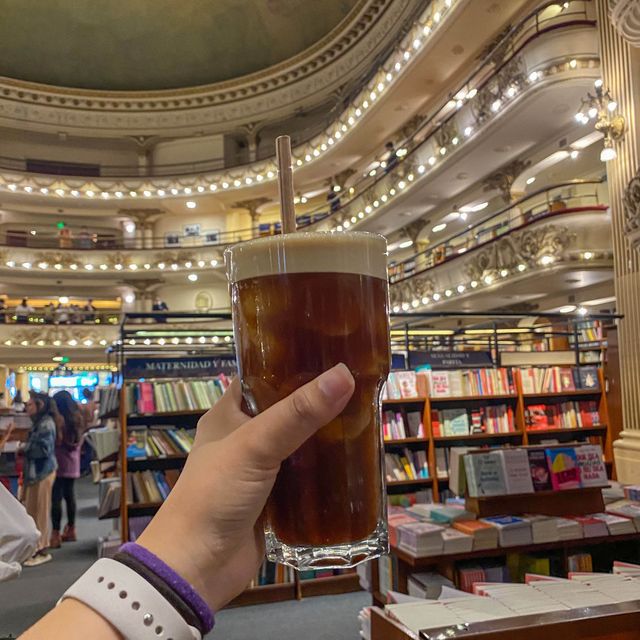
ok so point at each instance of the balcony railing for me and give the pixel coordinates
(567, 197)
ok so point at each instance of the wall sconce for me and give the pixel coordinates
(601, 107)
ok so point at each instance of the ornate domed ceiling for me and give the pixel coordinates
(141, 45)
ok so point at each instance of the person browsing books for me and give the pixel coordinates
(215, 505)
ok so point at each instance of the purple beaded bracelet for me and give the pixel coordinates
(173, 580)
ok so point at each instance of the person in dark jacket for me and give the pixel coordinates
(40, 470)
(70, 430)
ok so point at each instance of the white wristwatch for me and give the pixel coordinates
(129, 603)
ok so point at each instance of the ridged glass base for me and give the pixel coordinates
(340, 556)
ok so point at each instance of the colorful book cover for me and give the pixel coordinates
(563, 464)
(406, 381)
(593, 472)
(588, 377)
(539, 469)
(440, 384)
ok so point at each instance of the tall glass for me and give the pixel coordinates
(302, 303)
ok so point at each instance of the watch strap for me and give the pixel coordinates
(129, 603)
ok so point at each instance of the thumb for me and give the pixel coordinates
(277, 432)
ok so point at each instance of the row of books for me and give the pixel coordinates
(398, 425)
(108, 400)
(403, 384)
(150, 486)
(525, 470)
(462, 421)
(159, 442)
(490, 600)
(589, 331)
(562, 415)
(425, 530)
(558, 379)
(411, 465)
(175, 395)
(470, 382)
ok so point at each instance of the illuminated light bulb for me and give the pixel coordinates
(146, 341)
(531, 180)
(43, 265)
(236, 183)
(146, 193)
(41, 343)
(612, 105)
(464, 216)
(406, 55)
(119, 194)
(405, 306)
(339, 227)
(396, 309)
(436, 296)
(103, 267)
(504, 273)
(28, 189)
(44, 190)
(187, 191)
(402, 184)
(473, 284)
(471, 94)
(416, 43)
(103, 342)
(191, 204)
(192, 277)
(330, 141)
(299, 162)
(316, 153)
(587, 255)
(448, 293)
(133, 267)
(461, 288)
(426, 30)
(360, 214)
(346, 224)
(574, 154)
(146, 265)
(415, 303)
(495, 105)
(384, 197)
(188, 264)
(443, 150)
(425, 300)
(215, 339)
(133, 194)
(573, 63)
(26, 265)
(174, 191)
(24, 343)
(368, 209)
(88, 342)
(598, 83)
(376, 203)
(608, 153)
(533, 76)
(225, 185)
(397, 66)
(522, 267)
(354, 219)
(73, 342)
(459, 104)
(88, 267)
(213, 263)
(270, 174)
(351, 121)
(161, 192)
(511, 91)
(174, 266)
(201, 263)
(214, 187)
(432, 160)
(410, 177)
(105, 195)
(227, 338)
(202, 339)
(593, 112)
(57, 266)
(59, 192)
(488, 279)
(307, 158)
(175, 340)
(455, 140)
(57, 343)
(118, 267)
(161, 341)
(388, 78)
(392, 192)
(546, 260)
(421, 169)
(200, 189)
(583, 311)
(437, 16)
(338, 135)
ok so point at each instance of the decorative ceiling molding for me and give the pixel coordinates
(267, 94)
(625, 17)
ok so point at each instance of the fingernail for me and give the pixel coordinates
(336, 382)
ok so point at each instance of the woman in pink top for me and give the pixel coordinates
(70, 426)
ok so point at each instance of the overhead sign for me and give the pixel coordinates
(179, 367)
(450, 359)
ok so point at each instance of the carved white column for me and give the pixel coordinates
(621, 74)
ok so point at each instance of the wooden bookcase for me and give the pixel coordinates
(518, 401)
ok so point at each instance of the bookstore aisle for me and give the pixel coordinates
(24, 601)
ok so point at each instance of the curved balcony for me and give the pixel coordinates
(560, 229)
(543, 20)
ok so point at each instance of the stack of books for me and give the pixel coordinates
(411, 465)
(616, 525)
(568, 529)
(485, 535)
(558, 379)
(427, 585)
(592, 527)
(108, 496)
(175, 395)
(421, 538)
(455, 541)
(398, 425)
(159, 443)
(512, 531)
(543, 529)
(562, 415)
(626, 509)
(470, 382)
(150, 486)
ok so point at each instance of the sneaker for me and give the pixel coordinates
(69, 533)
(39, 558)
(54, 541)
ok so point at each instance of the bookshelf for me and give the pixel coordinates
(435, 446)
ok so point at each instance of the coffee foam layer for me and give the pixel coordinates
(319, 252)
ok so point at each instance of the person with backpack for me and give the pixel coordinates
(70, 429)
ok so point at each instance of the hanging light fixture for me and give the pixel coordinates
(602, 108)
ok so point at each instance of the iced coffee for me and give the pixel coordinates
(302, 303)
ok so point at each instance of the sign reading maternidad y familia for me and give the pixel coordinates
(200, 367)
